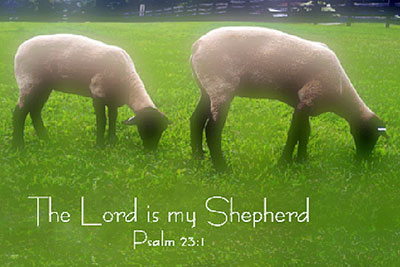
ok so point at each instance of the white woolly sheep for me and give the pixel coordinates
(263, 63)
(79, 65)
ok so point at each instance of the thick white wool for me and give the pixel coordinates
(264, 63)
(79, 65)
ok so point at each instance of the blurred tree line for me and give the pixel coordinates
(93, 9)
(48, 8)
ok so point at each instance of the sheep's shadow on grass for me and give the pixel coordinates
(292, 169)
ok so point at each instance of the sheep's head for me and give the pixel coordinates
(366, 133)
(151, 124)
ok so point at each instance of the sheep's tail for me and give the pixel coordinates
(194, 74)
(190, 60)
(195, 46)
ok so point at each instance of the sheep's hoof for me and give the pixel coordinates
(17, 143)
(301, 159)
(284, 161)
(220, 165)
(222, 168)
(198, 154)
(112, 140)
(44, 138)
(100, 144)
(43, 135)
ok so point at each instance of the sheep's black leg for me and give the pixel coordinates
(213, 134)
(292, 138)
(19, 117)
(35, 111)
(99, 108)
(197, 123)
(112, 118)
(304, 134)
(299, 131)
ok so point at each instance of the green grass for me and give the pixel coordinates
(354, 209)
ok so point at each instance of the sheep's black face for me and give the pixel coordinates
(366, 134)
(151, 124)
(151, 132)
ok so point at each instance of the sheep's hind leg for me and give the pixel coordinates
(36, 113)
(197, 123)
(112, 118)
(19, 117)
(213, 134)
(99, 108)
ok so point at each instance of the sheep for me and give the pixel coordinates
(258, 62)
(79, 65)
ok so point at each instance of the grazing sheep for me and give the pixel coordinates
(263, 63)
(79, 65)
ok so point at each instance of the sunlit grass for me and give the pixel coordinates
(354, 208)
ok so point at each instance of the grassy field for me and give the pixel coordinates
(354, 208)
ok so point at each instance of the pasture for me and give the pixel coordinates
(354, 207)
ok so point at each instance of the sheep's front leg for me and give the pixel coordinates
(304, 134)
(112, 118)
(99, 109)
(299, 131)
(213, 134)
(197, 123)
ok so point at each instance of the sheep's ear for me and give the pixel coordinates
(130, 121)
(165, 119)
(382, 132)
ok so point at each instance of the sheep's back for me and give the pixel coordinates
(67, 57)
(262, 57)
